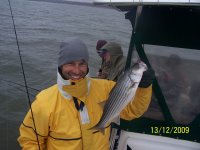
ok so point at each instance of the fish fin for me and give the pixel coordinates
(102, 131)
(102, 104)
(96, 128)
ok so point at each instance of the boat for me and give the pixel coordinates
(165, 35)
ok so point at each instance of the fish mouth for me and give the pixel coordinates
(139, 64)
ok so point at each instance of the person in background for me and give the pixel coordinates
(99, 45)
(64, 113)
(113, 61)
(175, 86)
(172, 79)
(113, 64)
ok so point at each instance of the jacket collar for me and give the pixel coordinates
(68, 91)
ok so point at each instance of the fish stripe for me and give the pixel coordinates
(120, 94)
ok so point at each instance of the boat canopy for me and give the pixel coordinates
(125, 5)
(165, 35)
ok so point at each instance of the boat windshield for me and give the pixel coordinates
(177, 72)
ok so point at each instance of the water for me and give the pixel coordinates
(41, 26)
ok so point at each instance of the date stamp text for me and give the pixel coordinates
(170, 130)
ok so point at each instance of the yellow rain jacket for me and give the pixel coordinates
(60, 126)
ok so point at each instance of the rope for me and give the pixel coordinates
(23, 72)
(15, 83)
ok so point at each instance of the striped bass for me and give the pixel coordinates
(121, 94)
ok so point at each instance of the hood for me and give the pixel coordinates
(117, 60)
(113, 48)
